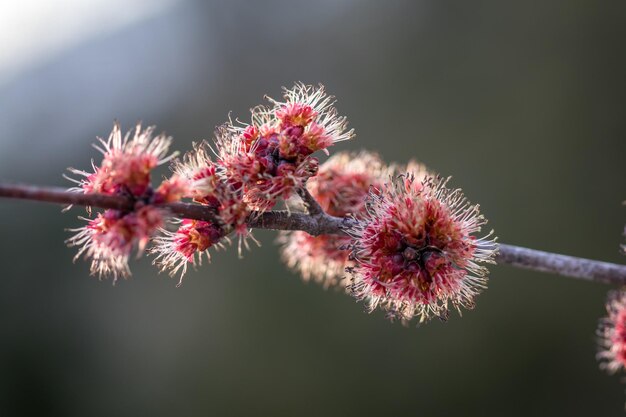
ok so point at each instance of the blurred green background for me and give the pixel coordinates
(521, 102)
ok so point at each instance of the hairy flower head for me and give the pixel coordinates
(109, 238)
(209, 185)
(612, 334)
(187, 245)
(271, 157)
(171, 190)
(415, 250)
(127, 162)
(125, 171)
(308, 119)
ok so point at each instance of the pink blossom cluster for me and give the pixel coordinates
(109, 238)
(255, 166)
(408, 244)
(411, 247)
(271, 157)
(413, 250)
(416, 251)
(341, 188)
(207, 185)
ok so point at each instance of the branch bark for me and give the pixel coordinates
(568, 266)
(318, 223)
(311, 204)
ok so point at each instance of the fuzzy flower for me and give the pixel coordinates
(340, 187)
(271, 158)
(125, 170)
(415, 250)
(207, 184)
(308, 118)
(110, 237)
(171, 190)
(127, 162)
(187, 245)
(612, 334)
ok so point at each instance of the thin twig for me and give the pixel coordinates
(62, 196)
(315, 226)
(193, 211)
(322, 223)
(311, 204)
(568, 266)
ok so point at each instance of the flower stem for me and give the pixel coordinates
(311, 204)
(321, 223)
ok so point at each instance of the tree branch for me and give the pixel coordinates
(62, 196)
(568, 266)
(321, 223)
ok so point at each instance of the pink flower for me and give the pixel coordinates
(110, 237)
(322, 258)
(124, 171)
(200, 173)
(188, 244)
(271, 158)
(344, 180)
(208, 185)
(171, 190)
(341, 188)
(415, 250)
(612, 334)
(127, 163)
(309, 116)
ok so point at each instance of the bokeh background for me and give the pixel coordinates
(521, 102)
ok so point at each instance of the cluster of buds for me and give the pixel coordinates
(255, 166)
(341, 188)
(409, 244)
(412, 249)
(395, 237)
(109, 238)
(207, 185)
(270, 158)
(416, 251)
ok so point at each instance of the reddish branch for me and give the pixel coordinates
(316, 222)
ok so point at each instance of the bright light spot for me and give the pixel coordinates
(32, 31)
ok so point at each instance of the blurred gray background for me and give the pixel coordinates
(522, 103)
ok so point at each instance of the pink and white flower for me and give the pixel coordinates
(109, 239)
(125, 171)
(127, 162)
(271, 158)
(416, 251)
(187, 245)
